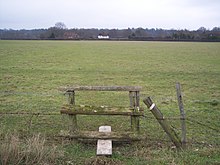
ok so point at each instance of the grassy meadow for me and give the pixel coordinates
(32, 71)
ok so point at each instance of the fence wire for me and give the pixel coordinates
(40, 112)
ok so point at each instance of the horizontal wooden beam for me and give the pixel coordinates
(101, 113)
(100, 88)
(114, 136)
(100, 110)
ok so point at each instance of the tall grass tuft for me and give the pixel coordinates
(30, 151)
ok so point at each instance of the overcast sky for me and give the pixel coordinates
(166, 14)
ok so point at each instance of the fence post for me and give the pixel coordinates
(73, 119)
(134, 97)
(71, 98)
(182, 114)
(163, 122)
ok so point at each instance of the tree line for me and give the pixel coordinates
(61, 32)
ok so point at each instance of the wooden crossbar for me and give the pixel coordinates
(102, 113)
(87, 110)
(100, 88)
(114, 136)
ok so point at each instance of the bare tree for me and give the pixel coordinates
(60, 25)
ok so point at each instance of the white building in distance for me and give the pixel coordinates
(103, 37)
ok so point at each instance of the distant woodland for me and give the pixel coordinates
(60, 32)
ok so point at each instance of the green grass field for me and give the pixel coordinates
(32, 71)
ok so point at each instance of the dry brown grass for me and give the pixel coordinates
(33, 150)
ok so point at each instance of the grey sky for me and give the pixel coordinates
(167, 14)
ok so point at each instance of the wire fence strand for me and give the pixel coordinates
(34, 114)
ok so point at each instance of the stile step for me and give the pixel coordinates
(104, 147)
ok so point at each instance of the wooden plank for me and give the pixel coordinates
(100, 110)
(100, 88)
(94, 112)
(104, 147)
(114, 136)
(96, 108)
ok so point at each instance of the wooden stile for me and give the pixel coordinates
(73, 110)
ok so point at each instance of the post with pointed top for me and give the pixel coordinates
(163, 122)
(182, 114)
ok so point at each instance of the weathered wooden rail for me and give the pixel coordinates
(133, 110)
(102, 110)
(101, 88)
(114, 136)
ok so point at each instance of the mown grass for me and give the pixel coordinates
(32, 71)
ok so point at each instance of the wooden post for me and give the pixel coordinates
(137, 93)
(71, 98)
(134, 104)
(137, 109)
(182, 115)
(73, 119)
(163, 122)
(131, 98)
